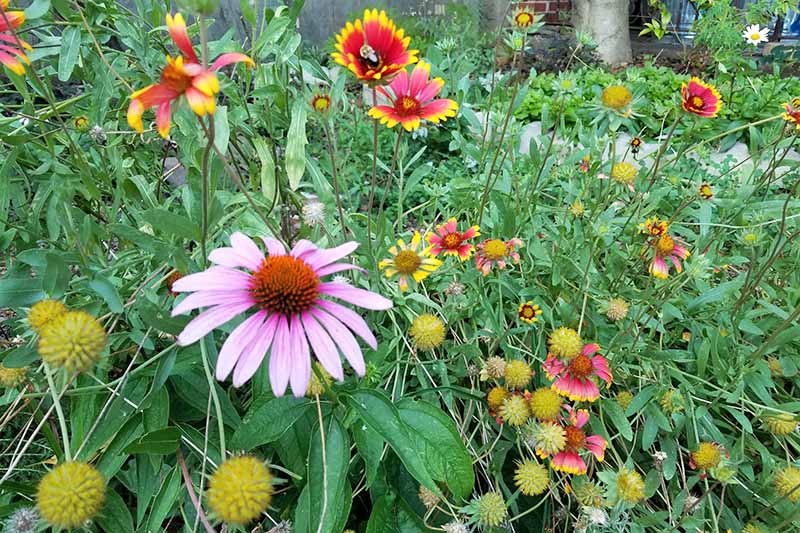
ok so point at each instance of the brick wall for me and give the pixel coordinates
(555, 10)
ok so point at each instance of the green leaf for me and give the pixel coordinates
(56, 276)
(17, 292)
(267, 419)
(70, 52)
(370, 448)
(440, 444)
(222, 130)
(717, 294)
(37, 9)
(172, 224)
(165, 499)
(296, 145)
(378, 412)
(115, 515)
(108, 293)
(268, 184)
(308, 514)
(159, 442)
(20, 356)
(617, 415)
(393, 515)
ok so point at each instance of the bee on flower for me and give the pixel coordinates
(182, 76)
(447, 240)
(374, 50)
(636, 145)
(575, 377)
(12, 49)
(664, 246)
(700, 98)
(570, 460)
(409, 260)
(493, 252)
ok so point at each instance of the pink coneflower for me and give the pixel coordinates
(291, 317)
(496, 252)
(569, 459)
(449, 241)
(574, 377)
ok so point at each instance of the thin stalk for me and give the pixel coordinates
(324, 466)
(187, 480)
(332, 155)
(62, 422)
(211, 134)
(373, 183)
(212, 387)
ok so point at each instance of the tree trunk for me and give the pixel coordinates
(607, 22)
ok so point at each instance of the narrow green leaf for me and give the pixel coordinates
(267, 419)
(20, 356)
(159, 442)
(172, 224)
(165, 499)
(108, 293)
(17, 292)
(222, 130)
(617, 415)
(70, 52)
(296, 145)
(37, 9)
(393, 515)
(268, 184)
(115, 515)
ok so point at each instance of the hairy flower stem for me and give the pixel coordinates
(187, 480)
(210, 134)
(324, 466)
(332, 155)
(373, 183)
(62, 422)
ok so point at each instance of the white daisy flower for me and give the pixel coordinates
(755, 34)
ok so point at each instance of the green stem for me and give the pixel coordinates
(212, 387)
(62, 422)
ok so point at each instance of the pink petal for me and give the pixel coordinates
(399, 84)
(280, 365)
(359, 297)
(677, 263)
(343, 338)
(206, 321)
(339, 267)
(302, 247)
(419, 78)
(352, 320)
(552, 367)
(239, 339)
(300, 358)
(247, 249)
(214, 279)
(590, 349)
(431, 90)
(253, 355)
(597, 445)
(274, 246)
(324, 348)
(227, 59)
(229, 257)
(163, 118)
(209, 298)
(324, 257)
(581, 418)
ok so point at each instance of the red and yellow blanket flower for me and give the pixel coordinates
(410, 100)
(665, 247)
(449, 241)
(409, 260)
(575, 377)
(792, 113)
(569, 459)
(12, 49)
(496, 252)
(182, 76)
(700, 98)
(375, 49)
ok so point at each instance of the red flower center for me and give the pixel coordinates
(581, 367)
(452, 240)
(285, 284)
(527, 312)
(576, 438)
(406, 106)
(175, 78)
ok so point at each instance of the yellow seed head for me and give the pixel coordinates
(624, 172)
(617, 309)
(496, 397)
(588, 494)
(495, 249)
(565, 343)
(630, 486)
(240, 490)
(514, 410)
(781, 424)
(786, 481)
(545, 403)
(71, 494)
(624, 399)
(752, 527)
(43, 312)
(671, 401)
(616, 97)
(577, 208)
(775, 367)
(427, 332)
(517, 374)
(428, 498)
(707, 455)
(72, 341)
(531, 478)
(491, 509)
(315, 385)
(495, 367)
(546, 438)
(11, 377)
